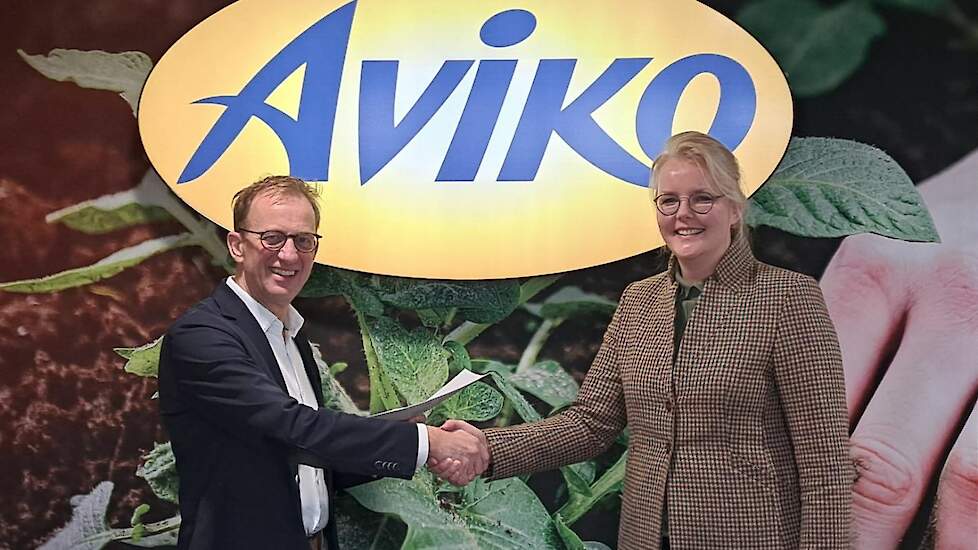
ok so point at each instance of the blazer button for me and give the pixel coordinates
(669, 405)
(378, 464)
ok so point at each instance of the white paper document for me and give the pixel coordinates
(455, 385)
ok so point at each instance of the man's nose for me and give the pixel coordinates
(288, 250)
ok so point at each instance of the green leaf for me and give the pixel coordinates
(324, 281)
(817, 47)
(331, 281)
(483, 366)
(580, 476)
(138, 529)
(160, 471)
(547, 381)
(834, 187)
(459, 360)
(334, 395)
(358, 527)
(478, 402)
(516, 399)
(87, 529)
(579, 502)
(477, 301)
(138, 513)
(505, 515)
(931, 7)
(570, 302)
(571, 540)
(123, 72)
(415, 361)
(96, 221)
(144, 360)
(103, 269)
(436, 317)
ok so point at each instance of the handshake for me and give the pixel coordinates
(457, 452)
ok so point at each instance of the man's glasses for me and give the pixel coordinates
(275, 240)
(701, 202)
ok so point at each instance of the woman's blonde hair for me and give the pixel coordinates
(718, 164)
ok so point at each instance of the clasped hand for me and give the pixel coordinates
(457, 452)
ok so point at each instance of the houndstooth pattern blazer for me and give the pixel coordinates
(751, 420)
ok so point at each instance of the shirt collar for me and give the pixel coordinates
(735, 268)
(266, 319)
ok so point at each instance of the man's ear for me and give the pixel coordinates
(236, 246)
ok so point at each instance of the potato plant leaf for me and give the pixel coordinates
(94, 220)
(87, 529)
(579, 502)
(357, 527)
(570, 302)
(818, 47)
(478, 402)
(571, 539)
(103, 269)
(334, 394)
(160, 471)
(143, 360)
(547, 381)
(477, 301)
(149, 201)
(415, 361)
(835, 187)
(123, 72)
(506, 515)
(331, 281)
(459, 359)
(516, 399)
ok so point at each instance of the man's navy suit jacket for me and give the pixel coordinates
(237, 435)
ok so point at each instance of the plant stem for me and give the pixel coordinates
(468, 331)
(382, 394)
(578, 504)
(533, 348)
(149, 529)
(154, 191)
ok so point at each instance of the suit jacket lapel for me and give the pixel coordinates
(233, 308)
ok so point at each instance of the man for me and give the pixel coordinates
(240, 396)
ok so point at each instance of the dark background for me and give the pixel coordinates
(70, 417)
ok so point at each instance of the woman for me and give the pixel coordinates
(728, 373)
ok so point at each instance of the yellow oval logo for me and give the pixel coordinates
(460, 140)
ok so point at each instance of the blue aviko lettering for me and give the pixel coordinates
(307, 139)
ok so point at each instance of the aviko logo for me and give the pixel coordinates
(454, 139)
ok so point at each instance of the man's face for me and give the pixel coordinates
(273, 277)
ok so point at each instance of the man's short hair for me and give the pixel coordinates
(274, 186)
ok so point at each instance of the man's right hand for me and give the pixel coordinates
(457, 452)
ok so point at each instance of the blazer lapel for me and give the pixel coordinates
(655, 327)
(234, 309)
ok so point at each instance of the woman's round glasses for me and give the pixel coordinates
(701, 203)
(275, 240)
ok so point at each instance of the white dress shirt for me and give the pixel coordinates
(312, 483)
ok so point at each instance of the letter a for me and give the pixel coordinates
(308, 138)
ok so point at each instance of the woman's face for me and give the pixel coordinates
(689, 234)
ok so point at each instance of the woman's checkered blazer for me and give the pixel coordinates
(749, 425)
